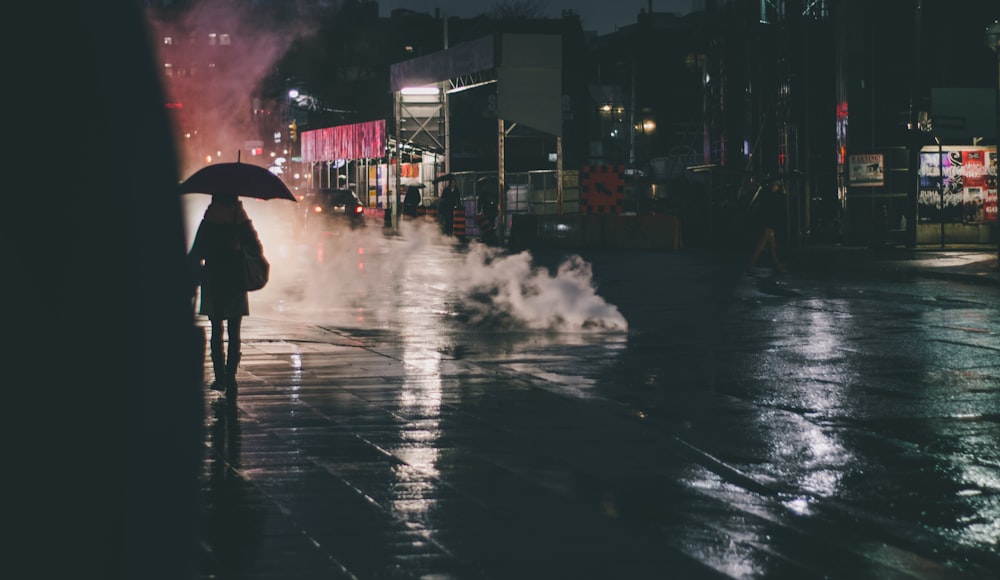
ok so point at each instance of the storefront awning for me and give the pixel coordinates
(527, 69)
(355, 141)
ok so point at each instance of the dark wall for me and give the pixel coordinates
(103, 408)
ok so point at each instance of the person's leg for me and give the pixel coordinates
(233, 359)
(218, 355)
(773, 244)
(761, 243)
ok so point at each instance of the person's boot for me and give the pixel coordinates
(219, 368)
(230, 382)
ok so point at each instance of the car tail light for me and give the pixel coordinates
(359, 210)
(317, 209)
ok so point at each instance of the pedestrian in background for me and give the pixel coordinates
(224, 233)
(767, 212)
(487, 209)
(447, 205)
(411, 201)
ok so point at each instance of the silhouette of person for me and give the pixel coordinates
(766, 214)
(487, 210)
(411, 201)
(224, 232)
(447, 205)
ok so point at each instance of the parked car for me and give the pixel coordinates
(333, 209)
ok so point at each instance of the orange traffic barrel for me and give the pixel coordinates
(458, 225)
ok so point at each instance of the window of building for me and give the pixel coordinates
(224, 39)
(167, 40)
(694, 61)
(817, 9)
(772, 11)
(213, 39)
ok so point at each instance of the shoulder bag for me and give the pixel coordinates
(256, 271)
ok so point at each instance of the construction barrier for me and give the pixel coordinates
(458, 226)
(601, 232)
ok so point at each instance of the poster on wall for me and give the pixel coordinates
(957, 185)
(377, 181)
(974, 185)
(866, 170)
(992, 179)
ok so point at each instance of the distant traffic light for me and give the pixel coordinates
(293, 130)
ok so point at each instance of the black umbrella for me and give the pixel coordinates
(489, 183)
(445, 177)
(243, 179)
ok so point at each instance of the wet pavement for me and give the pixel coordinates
(397, 432)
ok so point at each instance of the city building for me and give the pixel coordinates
(880, 117)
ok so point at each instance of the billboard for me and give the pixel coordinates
(867, 170)
(957, 185)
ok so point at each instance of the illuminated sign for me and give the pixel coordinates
(958, 184)
(866, 170)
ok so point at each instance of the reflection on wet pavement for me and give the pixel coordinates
(388, 429)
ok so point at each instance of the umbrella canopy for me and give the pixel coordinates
(243, 179)
(488, 182)
(445, 177)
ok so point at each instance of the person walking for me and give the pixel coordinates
(446, 206)
(767, 211)
(224, 233)
(487, 209)
(411, 201)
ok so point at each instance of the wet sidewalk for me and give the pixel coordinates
(332, 466)
(976, 264)
(363, 453)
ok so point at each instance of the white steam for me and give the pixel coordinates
(532, 296)
(417, 278)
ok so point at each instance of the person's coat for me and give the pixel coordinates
(449, 200)
(218, 244)
(411, 201)
(486, 204)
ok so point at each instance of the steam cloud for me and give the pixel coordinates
(369, 278)
(217, 82)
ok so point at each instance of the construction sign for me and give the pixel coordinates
(602, 189)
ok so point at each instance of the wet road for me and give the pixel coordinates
(411, 410)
